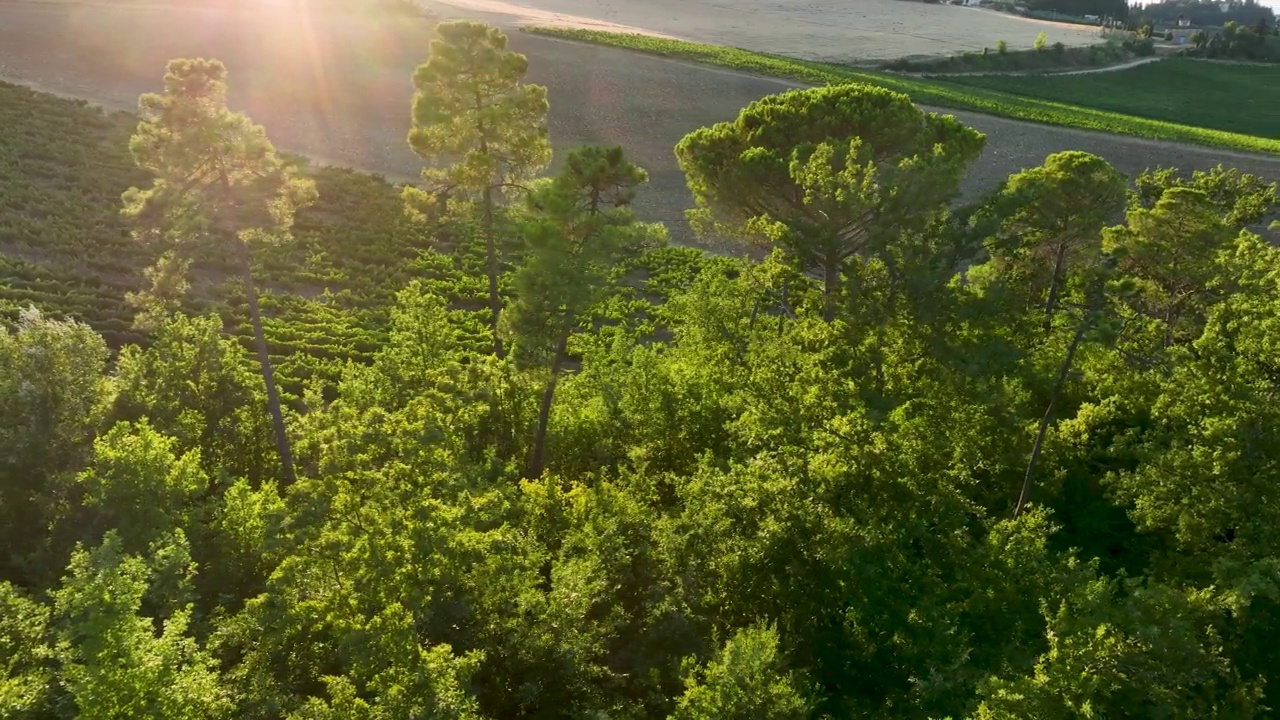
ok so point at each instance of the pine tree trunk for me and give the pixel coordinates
(491, 246)
(1025, 496)
(1052, 303)
(260, 340)
(830, 285)
(537, 456)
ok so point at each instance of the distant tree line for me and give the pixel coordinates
(1205, 13)
(1104, 9)
(1239, 42)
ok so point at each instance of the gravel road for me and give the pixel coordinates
(337, 88)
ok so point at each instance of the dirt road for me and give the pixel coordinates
(339, 89)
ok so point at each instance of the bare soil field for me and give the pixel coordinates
(827, 30)
(337, 88)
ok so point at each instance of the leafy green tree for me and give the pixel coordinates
(1126, 652)
(747, 679)
(143, 488)
(26, 674)
(54, 395)
(197, 386)
(1206, 456)
(482, 128)
(377, 551)
(113, 663)
(219, 189)
(1051, 219)
(1168, 254)
(1240, 198)
(829, 175)
(579, 228)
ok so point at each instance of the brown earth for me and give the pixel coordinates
(828, 30)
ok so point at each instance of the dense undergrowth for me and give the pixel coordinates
(1013, 460)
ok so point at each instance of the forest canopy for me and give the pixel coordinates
(1013, 459)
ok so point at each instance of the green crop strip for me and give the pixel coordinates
(952, 94)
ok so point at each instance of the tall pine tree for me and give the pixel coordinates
(481, 128)
(219, 187)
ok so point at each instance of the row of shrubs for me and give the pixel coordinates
(1042, 57)
(1258, 43)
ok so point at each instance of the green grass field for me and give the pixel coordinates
(1242, 99)
(1096, 115)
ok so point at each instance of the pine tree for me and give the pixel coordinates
(828, 175)
(219, 186)
(473, 109)
(579, 227)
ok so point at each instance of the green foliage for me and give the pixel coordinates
(473, 110)
(1255, 43)
(53, 396)
(218, 188)
(746, 679)
(25, 674)
(199, 388)
(1050, 221)
(113, 662)
(579, 227)
(1096, 106)
(67, 249)
(1037, 59)
(808, 171)
(217, 184)
(757, 498)
(1128, 652)
(142, 486)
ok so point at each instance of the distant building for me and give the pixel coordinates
(1182, 34)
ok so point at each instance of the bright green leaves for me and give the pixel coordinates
(218, 188)
(1050, 221)
(53, 397)
(578, 227)
(746, 680)
(114, 663)
(1127, 650)
(25, 673)
(1167, 257)
(141, 486)
(1241, 199)
(577, 230)
(199, 387)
